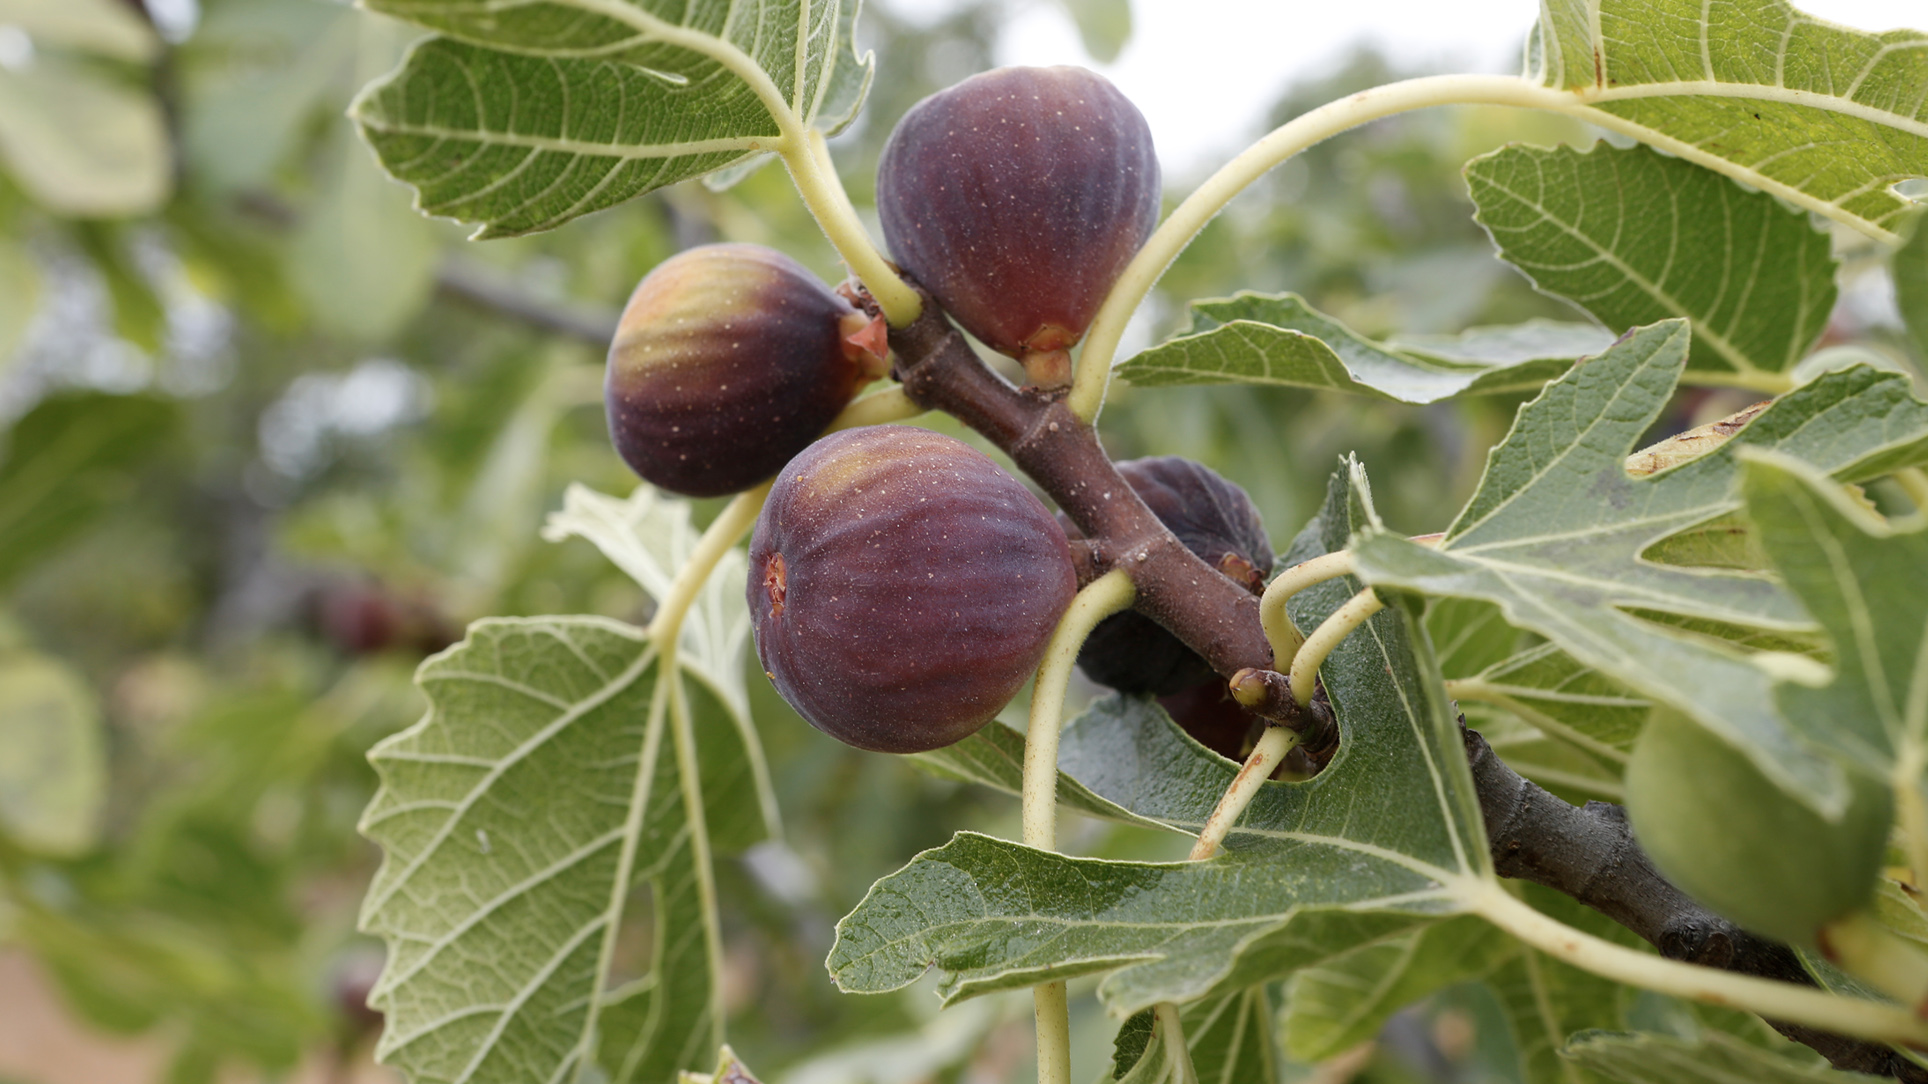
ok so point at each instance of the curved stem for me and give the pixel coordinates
(1266, 755)
(879, 407)
(730, 525)
(1101, 598)
(811, 170)
(690, 773)
(1184, 223)
(1774, 1000)
(1178, 1053)
(1305, 665)
(1098, 600)
(1285, 636)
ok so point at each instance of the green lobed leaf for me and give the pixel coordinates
(1280, 340)
(53, 756)
(1555, 532)
(1229, 1039)
(1335, 1005)
(649, 535)
(994, 757)
(1715, 1058)
(516, 818)
(1634, 237)
(1868, 586)
(1826, 117)
(526, 116)
(1387, 835)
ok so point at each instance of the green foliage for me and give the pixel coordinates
(1826, 117)
(1633, 238)
(53, 774)
(1250, 339)
(1555, 534)
(494, 123)
(226, 577)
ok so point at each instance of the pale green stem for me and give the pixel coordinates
(1914, 482)
(1285, 636)
(1191, 216)
(1910, 812)
(1178, 1054)
(736, 518)
(1764, 997)
(877, 408)
(1336, 627)
(811, 170)
(1053, 1007)
(690, 773)
(1264, 759)
(1099, 599)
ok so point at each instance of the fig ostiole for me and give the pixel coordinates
(903, 587)
(1218, 522)
(1016, 198)
(1735, 841)
(729, 360)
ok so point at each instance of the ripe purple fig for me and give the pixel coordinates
(1215, 520)
(729, 360)
(1016, 198)
(903, 587)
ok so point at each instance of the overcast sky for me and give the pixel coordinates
(1204, 71)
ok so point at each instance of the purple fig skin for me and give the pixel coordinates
(1016, 198)
(903, 587)
(728, 361)
(1216, 520)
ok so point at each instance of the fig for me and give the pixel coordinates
(1016, 198)
(1216, 520)
(729, 360)
(1732, 839)
(903, 587)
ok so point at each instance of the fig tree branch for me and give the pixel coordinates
(1587, 853)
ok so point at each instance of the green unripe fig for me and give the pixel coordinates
(1732, 839)
(729, 360)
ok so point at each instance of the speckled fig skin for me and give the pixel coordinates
(903, 587)
(729, 360)
(1016, 198)
(1215, 520)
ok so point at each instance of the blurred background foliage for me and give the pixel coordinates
(268, 438)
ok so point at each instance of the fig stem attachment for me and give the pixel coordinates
(1264, 759)
(730, 525)
(1336, 627)
(878, 408)
(1774, 1000)
(1098, 600)
(1178, 1053)
(1199, 208)
(815, 176)
(1285, 636)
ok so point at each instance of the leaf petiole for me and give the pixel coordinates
(807, 156)
(1764, 997)
(1272, 747)
(1098, 600)
(1305, 664)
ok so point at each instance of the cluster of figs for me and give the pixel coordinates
(902, 585)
